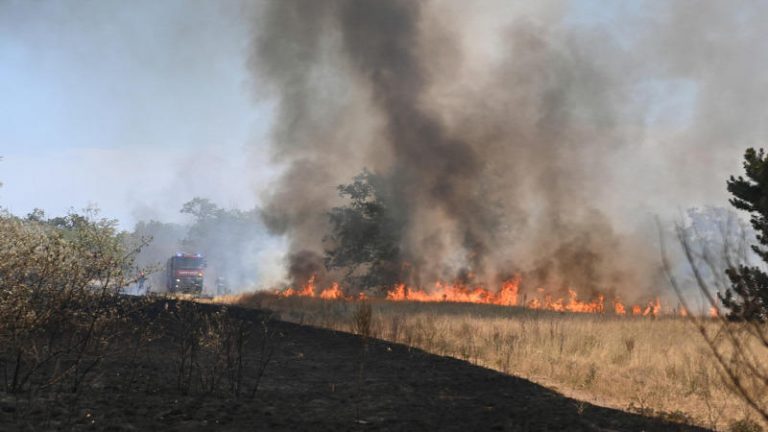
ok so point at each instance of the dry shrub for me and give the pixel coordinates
(737, 344)
(59, 308)
(745, 425)
(211, 346)
(362, 319)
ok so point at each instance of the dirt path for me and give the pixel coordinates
(315, 382)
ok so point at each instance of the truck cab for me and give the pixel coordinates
(185, 273)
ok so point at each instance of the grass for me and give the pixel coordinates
(658, 367)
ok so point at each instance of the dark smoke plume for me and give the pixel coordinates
(511, 152)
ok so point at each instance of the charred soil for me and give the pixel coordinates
(315, 379)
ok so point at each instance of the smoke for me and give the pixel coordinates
(518, 140)
(239, 253)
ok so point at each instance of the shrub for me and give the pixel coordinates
(59, 281)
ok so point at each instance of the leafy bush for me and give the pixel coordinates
(59, 310)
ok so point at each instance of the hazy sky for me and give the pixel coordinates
(138, 106)
(134, 106)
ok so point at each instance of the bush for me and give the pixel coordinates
(59, 310)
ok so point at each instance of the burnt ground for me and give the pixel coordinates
(315, 382)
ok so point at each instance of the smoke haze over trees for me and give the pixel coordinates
(517, 137)
(515, 140)
(234, 243)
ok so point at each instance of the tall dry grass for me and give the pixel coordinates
(659, 367)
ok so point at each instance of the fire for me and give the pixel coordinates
(505, 295)
(618, 307)
(714, 312)
(653, 308)
(571, 303)
(310, 290)
(334, 292)
(460, 293)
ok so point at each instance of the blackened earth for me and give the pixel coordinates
(318, 380)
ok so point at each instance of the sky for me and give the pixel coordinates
(135, 107)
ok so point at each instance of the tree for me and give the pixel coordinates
(747, 298)
(229, 239)
(201, 209)
(366, 234)
(60, 310)
(738, 348)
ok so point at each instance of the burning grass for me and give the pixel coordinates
(657, 366)
(507, 294)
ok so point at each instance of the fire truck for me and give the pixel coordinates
(185, 273)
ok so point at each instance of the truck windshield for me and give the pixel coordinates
(189, 262)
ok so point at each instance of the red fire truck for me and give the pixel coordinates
(185, 273)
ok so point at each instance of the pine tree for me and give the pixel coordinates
(748, 296)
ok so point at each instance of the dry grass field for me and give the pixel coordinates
(659, 367)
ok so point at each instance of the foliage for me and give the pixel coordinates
(225, 237)
(738, 348)
(59, 281)
(748, 296)
(366, 234)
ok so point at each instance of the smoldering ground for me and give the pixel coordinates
(517, 139)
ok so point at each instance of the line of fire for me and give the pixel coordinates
(506, 294)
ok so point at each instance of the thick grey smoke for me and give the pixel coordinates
(518, 142)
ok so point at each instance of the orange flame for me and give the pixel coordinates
(618, 307)
(460, 293)
(309, 290)
(334, 292)
(569, 304)
(506, 295)
(653, 308)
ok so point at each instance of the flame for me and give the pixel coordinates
(714, 312)
(309, 290)
(571, 303)
(653, 308)
(618, 308)
(505, 295)
(458, 292)
(334, 292)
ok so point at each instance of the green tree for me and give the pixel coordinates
(366, 234)
(748, 296)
